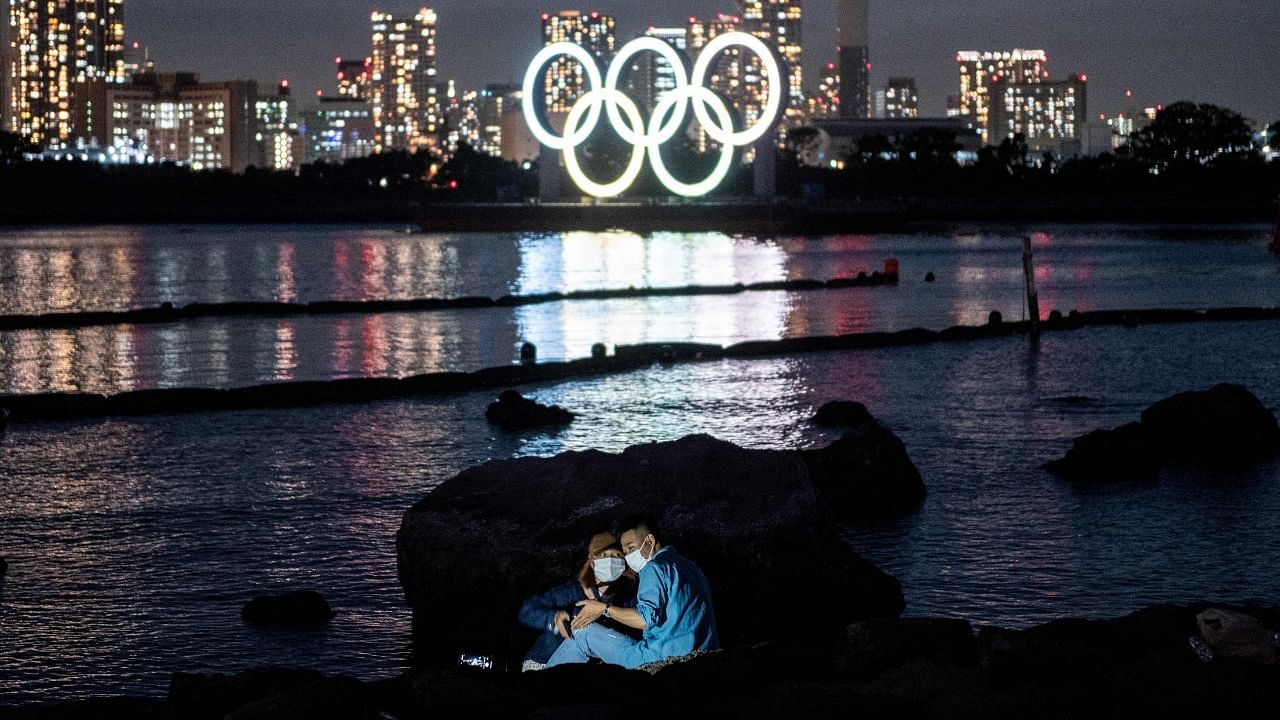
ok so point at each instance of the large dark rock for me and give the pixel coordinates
(842, 413)
(213, 696)
(866, 475)
(870, 647)
(303, 608)
(1221, 429)
(513, 411)
(752, 519)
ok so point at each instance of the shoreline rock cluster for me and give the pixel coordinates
(1140, 665)
(1221, 429)
(760, 523)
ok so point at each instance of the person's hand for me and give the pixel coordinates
(591, 610)
(561, 623)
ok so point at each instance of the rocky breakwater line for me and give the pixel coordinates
(1221, 430)
(754, 520)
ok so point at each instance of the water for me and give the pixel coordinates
(133, 542)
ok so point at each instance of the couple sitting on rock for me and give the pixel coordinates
(636, 601)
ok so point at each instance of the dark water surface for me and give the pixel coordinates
(132, 543)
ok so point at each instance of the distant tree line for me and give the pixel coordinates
(1203, 152)
(1189, 150)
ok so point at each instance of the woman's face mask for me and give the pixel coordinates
(609, 569)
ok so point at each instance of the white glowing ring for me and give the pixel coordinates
(701, 96)
(668, 117)
(773, 72)
(590, 101)
(531, 78)
(665, 51)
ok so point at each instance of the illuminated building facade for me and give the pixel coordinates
(827, 101)
(476, 118)
(901, 99)
(978, 70)
(179, 119)
(407, 109)
(777, 22)
(1051, 116)
(650, 78)
(337, 129)
(564, 80)
(354, 77)
(279, 144)
(727, 73)
(853, 33)
(62, 56)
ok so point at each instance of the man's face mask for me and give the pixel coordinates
(636, 559)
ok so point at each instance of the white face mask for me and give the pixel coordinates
(636, 559)
(609, 569)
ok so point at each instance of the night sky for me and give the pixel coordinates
(1220, 51)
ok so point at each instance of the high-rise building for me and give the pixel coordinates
(826, 102)
(777, 22)
(63, 55)
(901, 99)
(404, 95)
(337, 129)
(354, 77)
(176, 118)
(475, 118)
(651, 77)
(1051, 116)
(563, 79)
(853, 38)
(978, 70)
(138, 60)
(727, 72)
(279, 144)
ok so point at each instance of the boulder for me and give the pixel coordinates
(866, 475)
(841, 413)
(483, 541)
(303, 608)
(211, 696)
(1221, 429)
(870, 647)
(513, 411)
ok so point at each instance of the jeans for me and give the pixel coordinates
(595, 641)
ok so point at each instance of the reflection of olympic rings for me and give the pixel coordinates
(667, 119)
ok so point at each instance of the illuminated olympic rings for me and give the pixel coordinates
(667, 119)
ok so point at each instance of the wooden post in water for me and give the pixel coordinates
(1033, 299)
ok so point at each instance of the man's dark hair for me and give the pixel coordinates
(643, 524)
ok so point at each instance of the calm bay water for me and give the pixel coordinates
(132, 543)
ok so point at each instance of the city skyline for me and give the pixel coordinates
(1203, 53)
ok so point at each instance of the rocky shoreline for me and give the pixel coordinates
(1140, 665)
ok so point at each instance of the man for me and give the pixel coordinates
(673, 607)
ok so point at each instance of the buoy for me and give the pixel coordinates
(930, 277)
(995, 318)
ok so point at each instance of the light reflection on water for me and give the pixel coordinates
(133, 542)
(41, 270)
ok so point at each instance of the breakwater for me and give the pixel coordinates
(168, 312)
(68, 406)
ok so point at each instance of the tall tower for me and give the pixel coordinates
(777, 22)
(564, 80)
(61, 56)
(853, 20)
(407, 111)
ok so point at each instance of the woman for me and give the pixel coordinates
(604, 577)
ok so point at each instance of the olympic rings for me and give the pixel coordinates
(667, 118)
